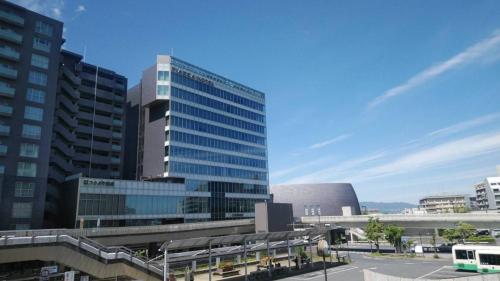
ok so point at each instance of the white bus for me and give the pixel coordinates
(484, 259)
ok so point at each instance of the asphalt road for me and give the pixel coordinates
(428, 268)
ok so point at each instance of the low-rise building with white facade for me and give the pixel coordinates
(488, 194)
(439, 204)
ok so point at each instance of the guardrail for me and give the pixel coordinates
(117, 231)
(101, 252)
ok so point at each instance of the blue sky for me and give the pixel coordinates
(401, 98)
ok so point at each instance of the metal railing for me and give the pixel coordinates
(58, 236)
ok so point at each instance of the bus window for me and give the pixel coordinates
(470, 255)
(460, 254)
(489, 259)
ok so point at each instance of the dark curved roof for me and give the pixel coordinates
(330, 197)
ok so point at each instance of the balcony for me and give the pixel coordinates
(11, 18)
(115, 174)
(117, 135)
(73, 108)
(3, 150)
(68, 90)
(6, 110)
(115, 160)
(118, 110)
(10, 35)
(116, 147)
(8, 71)
(4, 130)
(117, 122)
(71, 76)
(63, 147)
(70, 121)
(6, 90)
(9, 53)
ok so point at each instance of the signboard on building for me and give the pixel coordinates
(98, 182)
(69, 276)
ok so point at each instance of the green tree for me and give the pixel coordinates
(375, 232)
(462, 232)
(465, 230)
(393, 235)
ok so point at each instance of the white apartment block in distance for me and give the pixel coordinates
(439, 204)
(488, 194)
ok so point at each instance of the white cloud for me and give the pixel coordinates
(474, 52)
(331, 141)
(80, 9)
(283, 172)
(441, 154)
(50, 8)
(469, 124)
(327, 174)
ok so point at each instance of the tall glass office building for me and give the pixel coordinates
(190, 126)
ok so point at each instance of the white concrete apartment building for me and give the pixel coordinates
(488, 194)
(439, 204)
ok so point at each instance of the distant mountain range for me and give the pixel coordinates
(387, 207)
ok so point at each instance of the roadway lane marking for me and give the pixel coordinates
(329, 271)
(432, 272)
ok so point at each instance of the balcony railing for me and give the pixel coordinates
(11, 35)
(116, 147)
(7, 71)
(115, 160)
(4, 130)
(3, 149)
(117, 122)
(6, 109)
(11, 17)
(9, 53)
(117, 135)
(6, 90)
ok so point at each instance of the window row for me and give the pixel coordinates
(225, 187)
(189, 153)
(185, 95)
(162, 90)
(32, 131)
(214, 143)
(163, 75)
(120, 204)
(215, 130)
(197, 169)
(209, 89)
(41, 44)
(40, 61)
(44, 28)
(38, 78)
(26, 169)
(24, 189)
(33, 113)
(22, 210)
(215, 117)
(35, 95)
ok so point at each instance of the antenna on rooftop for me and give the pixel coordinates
(172, 52)
(84, 52)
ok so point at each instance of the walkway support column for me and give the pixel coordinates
(165, 264)
(311, 250)
(268, 259)
(245, 258)
(210, 261)
(288, 251)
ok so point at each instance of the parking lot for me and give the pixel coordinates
(427, 268)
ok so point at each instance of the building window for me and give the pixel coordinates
(29, 150)
(38, 78)
(35, 95)
(25, 169)
(2, 169)
(24, 189)
(43, 28)
(33, 113)
(32, 131)
(41, 44)
(162, 90)
(22, 226)
(162, 75)
(22, 210)
(40, 61)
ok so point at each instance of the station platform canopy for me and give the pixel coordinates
(240, 239)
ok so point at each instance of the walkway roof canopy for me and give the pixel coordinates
(235, 239)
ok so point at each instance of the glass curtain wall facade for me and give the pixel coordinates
(212, 132)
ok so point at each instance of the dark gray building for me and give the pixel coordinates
(325, 199)
(88, 129)
(29, 61)
(192, 126)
